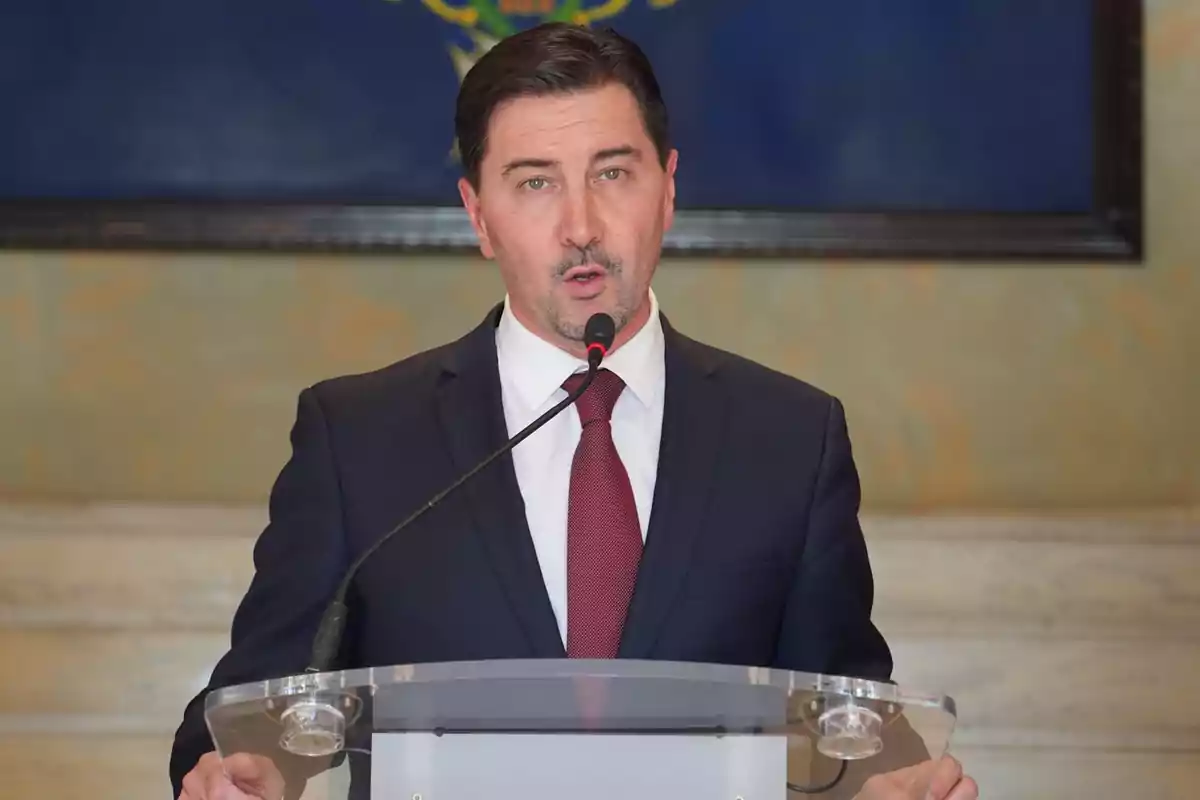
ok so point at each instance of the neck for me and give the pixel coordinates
(636, 322)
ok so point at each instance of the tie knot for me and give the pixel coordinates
(598, 401)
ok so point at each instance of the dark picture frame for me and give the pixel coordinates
(1111, 231)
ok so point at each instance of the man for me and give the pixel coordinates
(694, 506)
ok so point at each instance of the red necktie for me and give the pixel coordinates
(604, 538)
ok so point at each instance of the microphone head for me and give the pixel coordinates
(598, 336)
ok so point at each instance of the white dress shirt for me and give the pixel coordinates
(532, 372)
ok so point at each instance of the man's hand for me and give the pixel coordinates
(242, 776)
(943, 777)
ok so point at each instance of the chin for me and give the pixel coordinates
(572, 313)
(571, 323)
(599, 305)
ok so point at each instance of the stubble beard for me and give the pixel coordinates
(571, 330)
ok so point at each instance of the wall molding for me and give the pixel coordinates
(1070, 640)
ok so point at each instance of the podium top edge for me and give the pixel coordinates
(625, 671)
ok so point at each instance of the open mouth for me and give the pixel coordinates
(583, 275)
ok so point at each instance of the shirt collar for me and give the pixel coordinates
(536, 368)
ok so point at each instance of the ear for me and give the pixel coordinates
(669, 193)
(470, 200)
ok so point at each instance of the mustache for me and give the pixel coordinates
(590, 256)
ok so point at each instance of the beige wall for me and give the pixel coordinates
(145, 402)
(150, 377)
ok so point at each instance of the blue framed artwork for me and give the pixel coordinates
(937, 128)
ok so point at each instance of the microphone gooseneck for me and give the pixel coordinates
(598, 338)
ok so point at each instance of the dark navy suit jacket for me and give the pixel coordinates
(754, 554)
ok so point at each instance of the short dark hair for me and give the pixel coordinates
(554, 58)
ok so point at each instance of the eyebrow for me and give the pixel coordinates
(616, 152)
(528, 163)
(545, 163)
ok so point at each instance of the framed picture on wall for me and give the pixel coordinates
(831, 128)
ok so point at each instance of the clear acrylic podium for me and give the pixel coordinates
(577, 730)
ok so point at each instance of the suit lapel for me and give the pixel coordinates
(693, 425)
(471, 414)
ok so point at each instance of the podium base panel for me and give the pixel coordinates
(581, 766)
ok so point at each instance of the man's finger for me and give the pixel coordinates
(242, 766)
(216, 785)
(967, 789)
(193, 786)
(945, 777)
(255, 775)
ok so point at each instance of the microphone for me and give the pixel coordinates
(598, 335)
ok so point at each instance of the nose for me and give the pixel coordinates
(581, 225)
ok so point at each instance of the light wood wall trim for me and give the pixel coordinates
(1115, 739)
(132, 519)
(57, 723)
(1062, 692)
(187, 568)
(1071, 641)
(1040, 589)
(72, 767)
(1179, 525)
(117, 578)
(1040, 773)
(146, 674)
(1082, 685)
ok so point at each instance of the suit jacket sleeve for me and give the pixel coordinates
(299, 559)
(827, 625)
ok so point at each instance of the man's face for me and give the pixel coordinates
(573, 203)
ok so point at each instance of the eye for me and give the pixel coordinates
(536, 184)
(611, 174)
